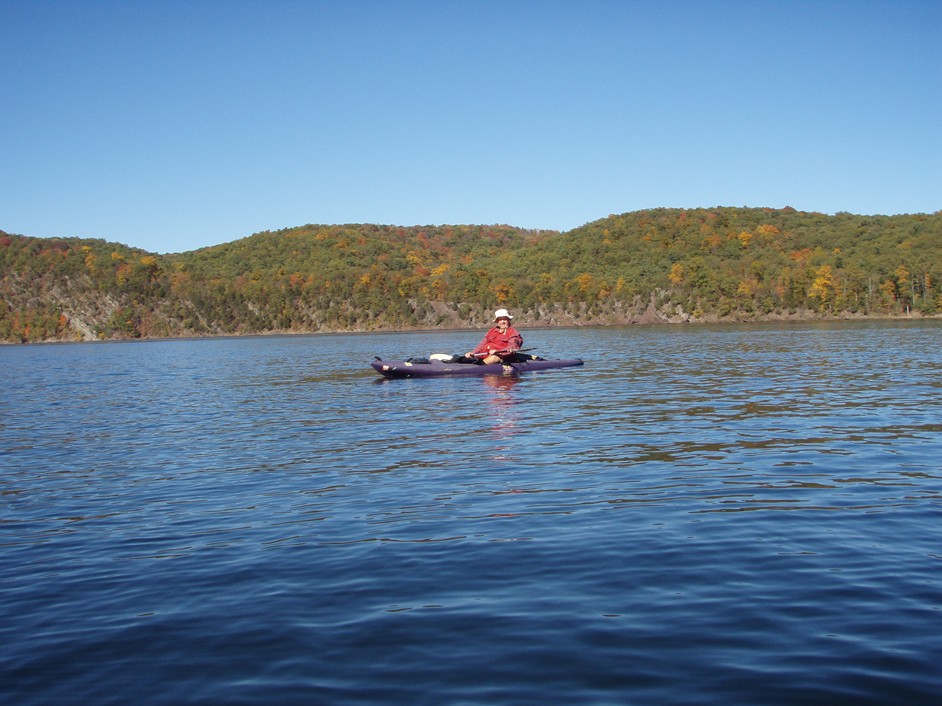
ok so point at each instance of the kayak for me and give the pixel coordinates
(424, 367)
(432, 368)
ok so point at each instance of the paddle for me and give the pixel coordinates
(484, 355)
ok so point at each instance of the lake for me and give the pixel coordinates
(738, 514)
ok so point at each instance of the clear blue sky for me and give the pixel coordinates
(173, 125)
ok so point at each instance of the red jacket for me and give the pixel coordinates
(510, 340)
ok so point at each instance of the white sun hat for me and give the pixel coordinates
(501, 314)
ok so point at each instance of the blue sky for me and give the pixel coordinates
(175, 125)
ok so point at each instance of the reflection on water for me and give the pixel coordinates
(735, 514)
(501, 410)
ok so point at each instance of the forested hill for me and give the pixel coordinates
(656, 265)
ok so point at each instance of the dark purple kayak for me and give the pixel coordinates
(432, 368)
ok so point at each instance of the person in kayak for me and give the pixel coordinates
(499, 344)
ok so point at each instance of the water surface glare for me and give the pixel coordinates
(742, 514)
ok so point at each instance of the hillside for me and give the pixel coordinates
(666, 265)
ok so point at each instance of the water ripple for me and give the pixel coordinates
(738, 514)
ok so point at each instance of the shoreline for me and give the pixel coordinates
(736, 319)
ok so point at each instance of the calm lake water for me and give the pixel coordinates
(701, 515)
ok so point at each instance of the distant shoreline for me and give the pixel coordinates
(800, 318)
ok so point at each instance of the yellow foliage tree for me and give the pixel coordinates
(585, 282)
(903, 276)
(713, 241)
(503, 293)
(823, 285)
(747, 287)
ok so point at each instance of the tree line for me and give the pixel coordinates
(708, 264)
